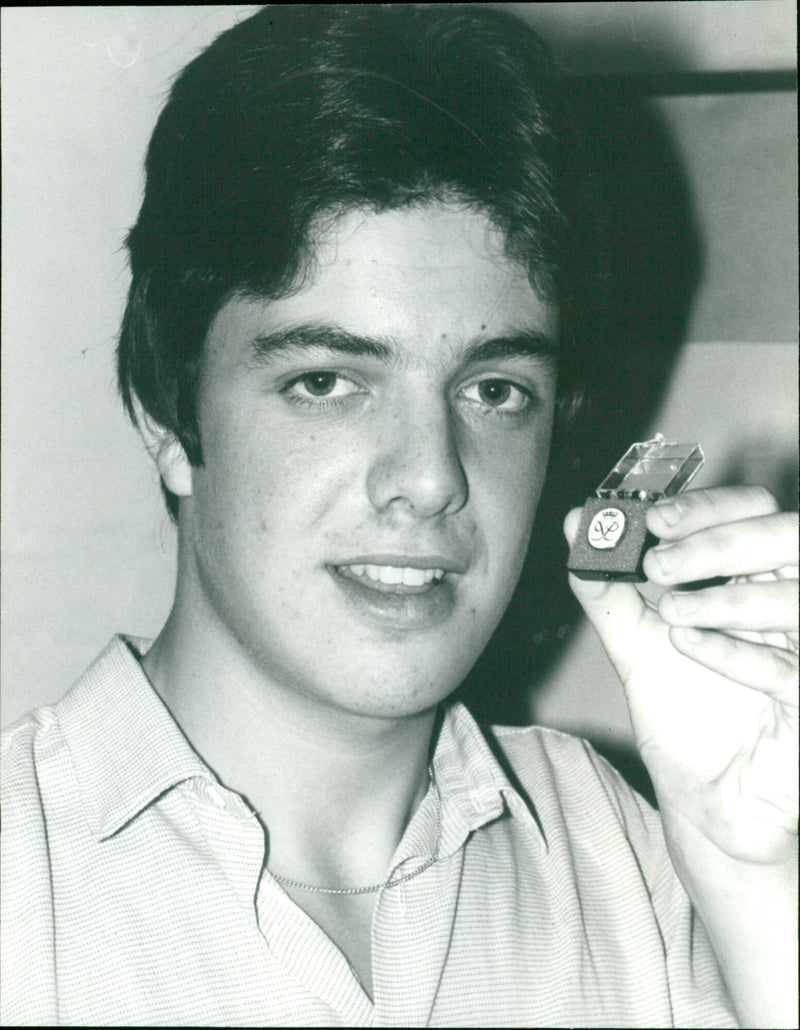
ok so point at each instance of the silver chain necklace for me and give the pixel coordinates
(288, 882)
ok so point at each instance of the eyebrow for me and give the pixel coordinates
(519, 344)
(319, 337)
(523, 344)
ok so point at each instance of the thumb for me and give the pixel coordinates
(622, 618)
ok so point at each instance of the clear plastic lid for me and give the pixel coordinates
(652, 469)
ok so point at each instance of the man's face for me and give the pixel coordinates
(374, 449)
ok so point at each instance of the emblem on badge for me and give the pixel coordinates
(606, 529)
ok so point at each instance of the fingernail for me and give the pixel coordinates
(668, 557)
(684, 604)
(669, 510)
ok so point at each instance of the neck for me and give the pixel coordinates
(334, 789)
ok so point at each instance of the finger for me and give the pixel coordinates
(571, 523)
(755, 545)
(771, 670)
(617, 611)
(769, 605)
(676, 517)
(786, 641)
(786, 572)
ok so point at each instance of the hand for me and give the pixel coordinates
(710, 675)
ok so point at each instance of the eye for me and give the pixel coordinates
(498, 395)
(320, 386)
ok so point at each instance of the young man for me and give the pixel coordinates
(341, 347)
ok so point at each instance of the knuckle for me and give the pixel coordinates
(789, 609)
(781, 530)
(762, 499)
(785, 522)
(750, 500)
(717, 540)
(783, 665)
(698, 501)
(786, 589)
(739, 597)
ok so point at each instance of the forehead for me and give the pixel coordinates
(420, 277)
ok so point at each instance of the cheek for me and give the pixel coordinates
(262, 479)
(513, 478)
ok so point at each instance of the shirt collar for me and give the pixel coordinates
(125, 747)
(473, 786)
(127, 750)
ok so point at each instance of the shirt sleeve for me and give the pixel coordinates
(698, 994)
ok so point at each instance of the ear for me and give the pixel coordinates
(166, 451)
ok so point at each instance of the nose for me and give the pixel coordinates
(416, 464)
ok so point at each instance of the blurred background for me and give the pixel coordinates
(688, 111)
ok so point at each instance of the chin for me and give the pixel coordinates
(398, 706)
(396, 695)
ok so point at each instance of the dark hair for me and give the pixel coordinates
(304, 110)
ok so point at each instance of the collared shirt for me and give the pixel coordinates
(135, 889)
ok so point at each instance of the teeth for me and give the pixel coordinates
(393, 575)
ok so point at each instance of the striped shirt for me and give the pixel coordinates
(135, 890)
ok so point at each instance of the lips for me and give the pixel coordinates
(399, 592)
(392, 577)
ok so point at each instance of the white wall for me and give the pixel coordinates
(87, 549)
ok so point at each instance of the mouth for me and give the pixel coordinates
(393, 579)
(400, 592)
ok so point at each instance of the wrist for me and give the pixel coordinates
(749, 911)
